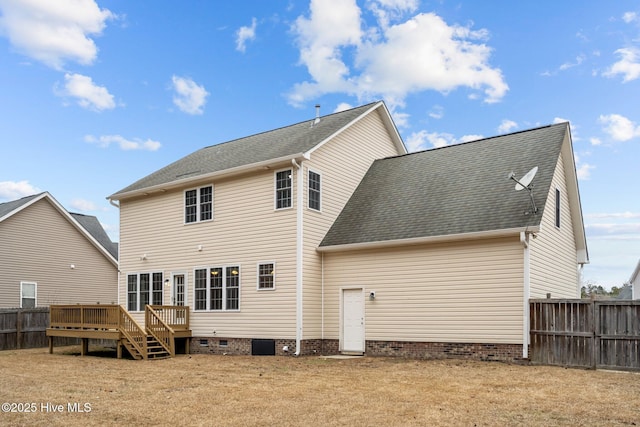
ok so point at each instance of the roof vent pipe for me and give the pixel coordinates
(317, 120)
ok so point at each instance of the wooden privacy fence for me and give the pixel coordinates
(23, 328)
(602, 334)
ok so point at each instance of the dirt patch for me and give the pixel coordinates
(65, 389)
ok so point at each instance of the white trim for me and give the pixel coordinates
(430, 239)
(341, 326)
(172, 285)
(180, 183)
(198, 204)
(526, 293)
(275, 188)
(310, 171)
(258, 264)
(299, 254)
(224, 308)
(35, 292)
(557, 208)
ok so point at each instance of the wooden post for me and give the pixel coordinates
(84, 349)
(18, 328)
(50, 345)
(187, 344)
(119, 349)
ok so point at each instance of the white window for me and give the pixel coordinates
(266, 275)
(198, 204)
(283, 189)
(314, 191)
(143, 289)
(28, 291)
(217, 288)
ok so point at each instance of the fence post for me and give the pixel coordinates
(595, 346)
(18, 328)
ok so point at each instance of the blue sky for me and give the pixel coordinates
(95, 95)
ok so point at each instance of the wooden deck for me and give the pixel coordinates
(163, 325)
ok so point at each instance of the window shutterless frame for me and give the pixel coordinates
(144, 288)
(314, 190)
(198, 204)
(558, 199)
(28, 294)
(283, 189)
(217, 288)
(266, 276)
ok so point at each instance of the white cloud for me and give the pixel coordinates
(617, 215)
(579, 60)
(595, 141)
(105, 141)
(583, 170)
(389, 10)
(83, 205)
(343, 106)
(190, 97)
(507, 126)
(423, 140)
(628, 65)
(437, 112)
(244, 34)
(422, 53)
(630, 17)
(54, 32)
(88, 94)
(619, 127)
(557, 120)
(12, 190)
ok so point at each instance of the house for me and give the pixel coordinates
(50, 256)
(634, 281)
(326, 236)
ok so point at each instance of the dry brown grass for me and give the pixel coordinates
(287, 391)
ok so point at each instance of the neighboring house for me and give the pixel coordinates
(634, 281)
(326, 237)
(50, 256)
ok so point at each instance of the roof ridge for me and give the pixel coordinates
(285, 126)
(475, 140)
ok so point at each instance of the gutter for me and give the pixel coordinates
(428, 239)
(299, 254)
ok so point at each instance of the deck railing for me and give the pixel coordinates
(133, 332)
(85, 316)
(160, 330)
(175, 316)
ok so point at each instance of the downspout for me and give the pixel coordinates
(299, 254)
(322, 296)
(526, 293)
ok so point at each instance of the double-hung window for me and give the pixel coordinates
(28, 294)
(217, 288)
(266, 275)
(143, 289)
(198, 204)
(314, 191)
(283, 189)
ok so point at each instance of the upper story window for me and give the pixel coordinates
(283, 189)
(557, 208)
(198, 204)
(314, 192)
(143, 289)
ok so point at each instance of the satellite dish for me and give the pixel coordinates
(525, 183)
(526, 179)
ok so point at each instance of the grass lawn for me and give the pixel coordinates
(306, 391)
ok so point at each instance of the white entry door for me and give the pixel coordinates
(178, 289)
(352, 321)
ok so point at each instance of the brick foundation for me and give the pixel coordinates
(407, 349)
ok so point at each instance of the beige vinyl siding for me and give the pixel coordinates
(468, 291)
(39, 245)
(246, 229)
(553, 251)
(342, 162)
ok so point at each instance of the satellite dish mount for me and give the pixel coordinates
(525, 183)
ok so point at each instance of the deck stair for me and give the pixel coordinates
(163, 324)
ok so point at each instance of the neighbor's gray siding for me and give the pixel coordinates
(39, 245)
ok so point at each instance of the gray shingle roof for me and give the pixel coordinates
(93, 226)
(8, 207)
(456, 189)
(274, 144)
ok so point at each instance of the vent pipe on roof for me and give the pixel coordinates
(317, 120)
